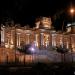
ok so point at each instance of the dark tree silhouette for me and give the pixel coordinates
(62, 50)
(25, 49)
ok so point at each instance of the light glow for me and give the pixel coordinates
(6, 45)
(72, 10)
(32, 49)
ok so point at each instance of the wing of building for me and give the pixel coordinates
(42, 35)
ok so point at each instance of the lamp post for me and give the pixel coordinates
(72, 14)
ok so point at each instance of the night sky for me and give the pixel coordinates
(26, 11)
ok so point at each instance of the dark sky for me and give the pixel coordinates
(25, 11)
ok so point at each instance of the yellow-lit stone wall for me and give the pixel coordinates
(73, 42)
(67, 41)
(73, 29)
(42, 37)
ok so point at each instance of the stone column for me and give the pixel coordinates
(47, 40)
(11, 37)
(61, 41)
(67, 45)
(53, 40)
(8, 41)
(36, 39)
(28, 38)
(41, 39)
(2, 36)
(18, 39)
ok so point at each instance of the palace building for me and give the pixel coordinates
(42, 35)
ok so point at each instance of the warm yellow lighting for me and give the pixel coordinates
(11, 41)
(37, 24)
(67, 45)
(72, 11)
(11, 46)
(46, 22)
(36, 43)
(69, 29)
(6, 45)
(28, 58)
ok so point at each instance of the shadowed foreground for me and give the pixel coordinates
(39, 69)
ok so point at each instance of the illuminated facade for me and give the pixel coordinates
(15, 35)
(43, 35)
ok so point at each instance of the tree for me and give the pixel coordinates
(62, 49)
